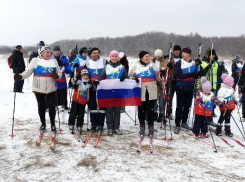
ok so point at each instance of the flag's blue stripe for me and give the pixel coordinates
(118, 93)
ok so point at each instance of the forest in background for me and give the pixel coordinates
(225, 47)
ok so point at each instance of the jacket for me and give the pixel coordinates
(43, 82)
(18, 63)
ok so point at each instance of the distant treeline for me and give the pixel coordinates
(132, 45)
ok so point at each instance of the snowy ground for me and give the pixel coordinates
(116, 159)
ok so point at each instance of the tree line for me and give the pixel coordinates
(150, 41)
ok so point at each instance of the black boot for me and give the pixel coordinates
(53, 128)
(159, 119)
(218, 130)
(228, 131)
(43, 127)
(93, 129)
(142, 130)
(155, 116)
(151, 130)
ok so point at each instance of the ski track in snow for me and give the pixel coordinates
(115, 159)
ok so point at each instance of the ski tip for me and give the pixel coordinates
(12, 135)
(164, 139)
(38, 144)
(170, 139)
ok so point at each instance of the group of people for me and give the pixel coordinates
(206, 81)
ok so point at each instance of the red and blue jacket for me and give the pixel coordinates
(81, 61)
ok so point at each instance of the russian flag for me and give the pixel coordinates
(113, 93)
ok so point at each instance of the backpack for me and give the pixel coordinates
(10, 63)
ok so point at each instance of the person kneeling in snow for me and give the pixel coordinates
(203, 109)
(113, 70)
(80, 99)
(226, 96)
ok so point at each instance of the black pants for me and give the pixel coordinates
(62, 97)
(18, 86)
(243, 104)
(46, 102)
(97, 115)
(201, 124)
(146, 109)
(184, 100)
(77, 111)
(226, 117)
(113, 117)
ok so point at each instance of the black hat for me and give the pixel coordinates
(83, 50)
(187, 50)
(142, 54)
(56, 48)
(177, 48)
(93, 49)
(18, 47)
(41, 43)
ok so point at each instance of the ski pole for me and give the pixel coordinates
(57, 106)
(129, 116)
(206, 119)
(240, 119)
(12, 134)
(135, 115)
(237, 126)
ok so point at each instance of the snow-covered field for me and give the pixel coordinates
(116, 159)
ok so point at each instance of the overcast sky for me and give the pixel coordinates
(27, 22)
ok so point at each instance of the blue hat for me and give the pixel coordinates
(41, 43)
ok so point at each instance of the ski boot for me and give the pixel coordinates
(218, 130)
(155, 116)
(151, 130)
(79, 128)
(205, 135)
(118, 131)
(53, 128)
(110, 131)
(43, 127)
(142, 130)
(71, 127)
(177, 130)
(159, 119)
(228, 131)
(184, 125)
(93, 129)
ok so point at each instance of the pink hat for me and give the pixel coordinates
(114, 53)
(228, 80)
(206, 85)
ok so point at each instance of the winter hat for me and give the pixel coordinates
(83, 50)
(84, 71)
(72, 51)
(158, 53)
(18, 47)
(177, 48)
(41, 43)
(208, 53)
(238, 58)
(114, 53)
(142, 54)
(43, 49)
(93, 49)
(56, 48)
(228, 80)
(187, 50)
(206, 85)
(121, 55)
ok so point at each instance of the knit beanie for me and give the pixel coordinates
(206, 85)
(158, 53)
(177, 48)
(142, 54)
(187, 50)
(114, 53)
(56, 48)
(228, 80)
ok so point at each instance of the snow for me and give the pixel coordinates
(116, 159)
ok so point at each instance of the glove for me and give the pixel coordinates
(89, 82)
(17, 77)
(136, 79)
(195, 76)
(96, 83)
(236, 102)
(198, 61)
(79, 82)
(75, 65)
(240, 89)
(170, 65)
(55, 75)
(162, 73)
(73, 81)
(122, 78)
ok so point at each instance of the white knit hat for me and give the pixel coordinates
(158, 53)
(44, 48)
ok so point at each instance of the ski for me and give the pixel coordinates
(40, 138)
(52, 146)
(87, 140)
(139, 147)
(224, 140)
(238, 142)
(97, 140)
(151, 144)
(203, 140)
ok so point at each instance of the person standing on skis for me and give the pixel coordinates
(186, 73)
(161, 64)
(46, 70)
(147, 71)
(236, 69)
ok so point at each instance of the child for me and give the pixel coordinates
(80, 99)
(113, 70)
(226, 96)
(203, 109)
